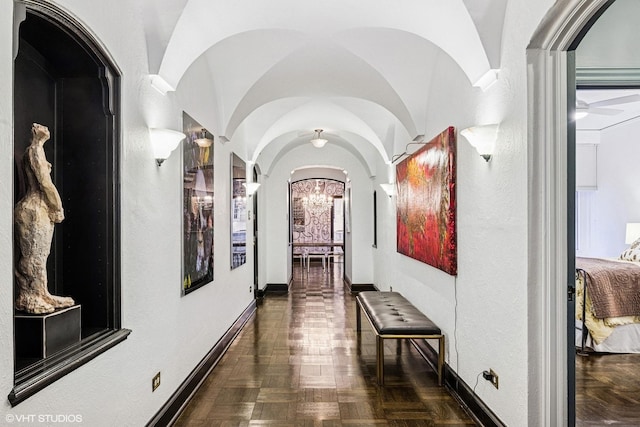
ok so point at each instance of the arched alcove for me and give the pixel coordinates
(66, 81)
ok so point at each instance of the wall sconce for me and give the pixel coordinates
(482, 138)
(251, 187)
(164, 141)
(390, 189)
(633, 232)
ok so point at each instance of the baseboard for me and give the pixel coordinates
(361, 287)
(354, 288)
(172, 409)
(464, 394)
(276, 288)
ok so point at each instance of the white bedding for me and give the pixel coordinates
(623, 339)
(609, 335)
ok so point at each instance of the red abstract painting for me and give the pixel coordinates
(426, 203)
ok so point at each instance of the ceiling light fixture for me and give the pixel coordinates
(581, 113)
(318, 141)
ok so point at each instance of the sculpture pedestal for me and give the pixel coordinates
(41, 335)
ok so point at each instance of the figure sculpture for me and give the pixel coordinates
(34, 217)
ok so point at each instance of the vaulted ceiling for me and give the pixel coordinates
(360, 70)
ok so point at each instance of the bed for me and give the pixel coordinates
(608, 313)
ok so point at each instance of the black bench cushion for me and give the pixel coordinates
(393, 314)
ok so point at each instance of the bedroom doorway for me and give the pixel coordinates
(607, 99)
(551, 201)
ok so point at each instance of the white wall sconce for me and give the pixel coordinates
(251, 187)
(482, 138)
(390, 189)
(164, 141)
(633, 232)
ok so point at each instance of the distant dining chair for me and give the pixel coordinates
(336, 252)
(299, 253)
(316, 255)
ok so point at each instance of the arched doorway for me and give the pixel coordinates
(551, 152)
(317, 222)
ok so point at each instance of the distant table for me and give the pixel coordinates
(305, 257)
(318, 244)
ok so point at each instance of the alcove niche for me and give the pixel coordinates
(64, 80)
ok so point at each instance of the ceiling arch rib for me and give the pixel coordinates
(204, 23)
(330, 154)
(339, 116)
(404, 59)
(235, 71)
(322, 69)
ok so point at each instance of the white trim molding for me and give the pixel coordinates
(547, 73)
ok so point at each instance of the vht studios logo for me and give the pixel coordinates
(43, 418)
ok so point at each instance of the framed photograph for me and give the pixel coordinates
(347, 208)
(375, 219)
(197, 207)
(238, 211)
(290, 211)
(426, 203)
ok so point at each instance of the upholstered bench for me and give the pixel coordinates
(392, 316)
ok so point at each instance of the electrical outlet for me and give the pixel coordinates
(155, 382)
(250, 289)
(494, 378)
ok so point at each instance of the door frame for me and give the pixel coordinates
(255, 174)
(551, 164)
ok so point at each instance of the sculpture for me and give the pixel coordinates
(34, 218)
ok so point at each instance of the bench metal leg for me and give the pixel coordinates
(440, 359)
(358, 317)
(380, 359)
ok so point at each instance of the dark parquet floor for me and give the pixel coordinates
(299, 362)
(608, 390)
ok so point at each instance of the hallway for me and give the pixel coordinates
(298, 362)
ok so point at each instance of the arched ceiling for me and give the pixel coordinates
(359, 70)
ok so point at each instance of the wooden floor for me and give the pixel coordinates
(298, 362)
(608, 390)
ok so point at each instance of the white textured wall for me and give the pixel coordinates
(605, 212)
(171, 333)
(482, 311)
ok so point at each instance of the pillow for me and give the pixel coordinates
(632, 253)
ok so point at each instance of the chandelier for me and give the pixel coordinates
(316, 202)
